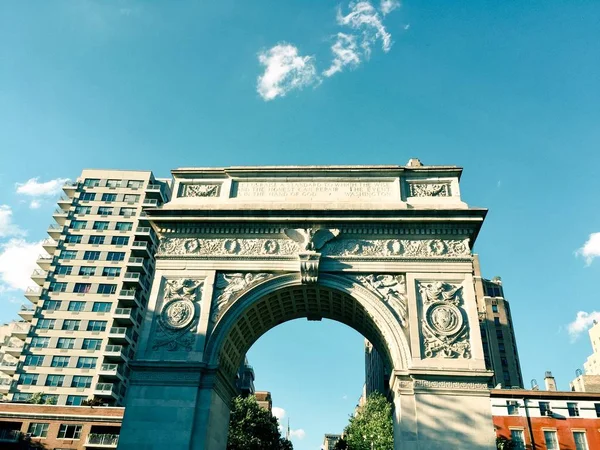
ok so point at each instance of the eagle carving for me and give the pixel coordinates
(311, 239)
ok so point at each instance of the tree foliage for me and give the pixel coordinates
(254, 428)
(371, 428)
(503, 443)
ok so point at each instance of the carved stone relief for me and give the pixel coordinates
(430, 189)
(391, 289)
(200, 190)
(230, 286)
(444, 327)
(178, 316)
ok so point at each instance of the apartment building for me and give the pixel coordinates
(92, 291)
(497, 332)
(12, 336)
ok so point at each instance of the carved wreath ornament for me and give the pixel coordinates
(177, 316)
(445, 333)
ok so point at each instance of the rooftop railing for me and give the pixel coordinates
(105, 440)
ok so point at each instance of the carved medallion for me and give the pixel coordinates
(177, 314)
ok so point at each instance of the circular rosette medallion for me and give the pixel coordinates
(444, 319)
(177, 314)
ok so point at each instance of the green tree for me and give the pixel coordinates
(254, 428)
(371, 428)
(341, 445)
(503, 443)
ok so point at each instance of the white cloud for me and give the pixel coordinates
(17, 262)
(35, 204)
(278, 412)
(34, 188)
(364, 17)
(298, 434)
(7, 227)
(591, 249)
(582, 322)
(345, 53)
(387, 6)
(285, 71)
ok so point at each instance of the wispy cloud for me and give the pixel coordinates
(35, 204)
(345, 53)
(582, 322)
(591, 249)
(34, 188)
(285, 70)
(363, 17)
(298, 434)
(7, 227)
(278, 412)
(387, 6)
(17, 262)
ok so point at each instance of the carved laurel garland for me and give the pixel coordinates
(345, 247)
(391, 289)
(179, 315)
(429, 189)
(444, 328)
(199, 190)
(229, 286)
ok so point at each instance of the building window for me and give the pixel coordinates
(51, 305)
(504, 362)
(81, 382)
(21, 397)
(111, 272)
(63, 270)
(105, 210)
(46, 324)
(580, 440)
(34, 360)
(60, 361)
(115, 256)
(82, 288)
(545, 408)
(501, 347)
(573, 409)
(28, 379)
(551, 439)
(71, 325)
(87, 271)
(67, 343)
(96, 240)
(107, 288)
(69, 431)
(86, 362)
(76, 306)
(120, 240)
(109, 197)
(597, 407)
(127, 211)
(87, 197)
(101, 306)
(91, 256)
(100, 225)
(57, 287)
(55, 380)
(91, 344)
(135, 184)
(75, 400)
(68, 254)
(124, 226)
(113, 183)
(73, 239)
(497, 321)
(78, 224)
(131, 198)
(518, 439)
(499, 334)
(91, 182)
(39, 342)
(513, 407)
(96, 325)
(37, 429)
(494, 308)
(83, 210)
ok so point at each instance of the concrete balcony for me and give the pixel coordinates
(49, 245)
(124, 316)
(141, 248)
(60, 216)
(150, 202)
(137, 264)
(44, 261)
(132, 277)
(13, 350)
(70, 188)
(8, 368)
(20, 330)
(26, 313)
(33, 293)
(10, 436)
(55, 231)
(110, 371)
(102, 440)
(39, 276)
(120, 335)
(5, 385)
(115, 353)
(64, 202)
(156, 191)
(106, 390)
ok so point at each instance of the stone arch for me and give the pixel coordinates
(284, 298)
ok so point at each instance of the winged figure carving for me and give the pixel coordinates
(311, 239)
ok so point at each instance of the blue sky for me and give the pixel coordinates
(508, 90)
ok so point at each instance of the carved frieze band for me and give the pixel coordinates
(430, 190)
(178, 315)
(344, 247)
(444, 327)
(199, 190)
(229, 286)
(437, 384)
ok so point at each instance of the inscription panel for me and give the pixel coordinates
(311, 190)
